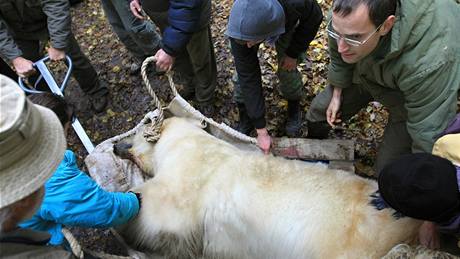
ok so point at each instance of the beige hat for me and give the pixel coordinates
(448, 147)
(32, 143)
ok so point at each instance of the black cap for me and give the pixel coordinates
(421, 186)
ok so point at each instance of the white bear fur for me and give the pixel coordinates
(208, 199)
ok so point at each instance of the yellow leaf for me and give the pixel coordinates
(116, 69)
(110, 113)
(273, 65)
(282, 103)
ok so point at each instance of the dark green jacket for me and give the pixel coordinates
(33, 20)
(420, 59)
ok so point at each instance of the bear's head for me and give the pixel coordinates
(138, 150)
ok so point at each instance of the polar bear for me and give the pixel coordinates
(209, 199)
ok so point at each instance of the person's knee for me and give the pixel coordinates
(291, 86)
(396, 142)
(317, 109)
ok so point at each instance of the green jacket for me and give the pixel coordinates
(26, 243)
(419, 60)
(33, 20)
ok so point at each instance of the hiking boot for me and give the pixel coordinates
(207, 109)
(99, 102)
(294, 119)
(244, 125)
(99, 97)
(318, 129)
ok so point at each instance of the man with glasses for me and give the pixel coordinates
(403, 54)
(290, 26)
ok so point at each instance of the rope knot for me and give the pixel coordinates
(152, 132)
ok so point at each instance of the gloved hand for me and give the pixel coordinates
(139, 198)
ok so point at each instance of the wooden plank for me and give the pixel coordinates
(348, 166)
(314, 149)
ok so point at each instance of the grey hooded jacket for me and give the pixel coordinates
(33, 20)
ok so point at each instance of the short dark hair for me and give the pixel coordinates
(56, 103)
(379, 10)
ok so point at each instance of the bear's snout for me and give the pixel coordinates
(122, 150)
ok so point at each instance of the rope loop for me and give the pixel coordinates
(153, 131)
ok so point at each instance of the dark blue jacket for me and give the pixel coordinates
(185, 17)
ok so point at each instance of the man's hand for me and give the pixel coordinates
(428, 235)
(164, 60)
(136, 9)
(264, 140)
(23, 67)
(288, 63)
(56, 54)
(333, 110)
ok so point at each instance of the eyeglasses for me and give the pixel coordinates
(351, 42)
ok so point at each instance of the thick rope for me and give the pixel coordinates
(152, 133)
(79, 252)
(222, 126)
(74, 245)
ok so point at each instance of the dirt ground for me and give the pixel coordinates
(129, 100)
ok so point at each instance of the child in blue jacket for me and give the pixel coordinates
(72, 198)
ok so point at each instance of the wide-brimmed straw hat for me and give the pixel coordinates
(32, 143)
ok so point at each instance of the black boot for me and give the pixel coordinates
(318, 129)
(294, 119)
(99, 96)
(244, 125)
